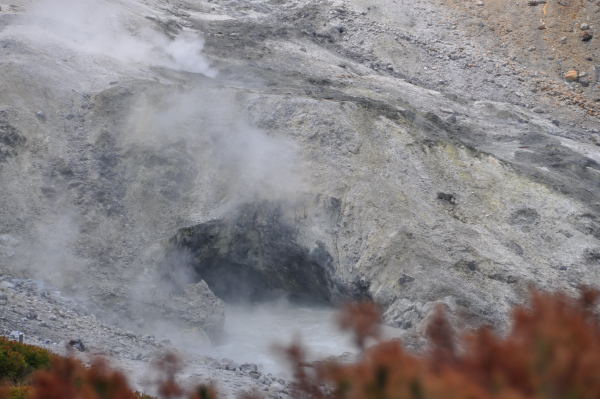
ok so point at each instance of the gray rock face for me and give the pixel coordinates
(255, 254)
(195, 306)
(345, 148)
(10, 139)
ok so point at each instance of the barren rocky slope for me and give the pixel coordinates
(412, 152)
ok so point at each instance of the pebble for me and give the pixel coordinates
(586, 36)
(249, 367)
(15, 334)
(584, 26)
(572, 75)
(77, 344)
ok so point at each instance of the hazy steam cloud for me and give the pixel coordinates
(160, 155)
(107, 28)
(48, 254)
(234, 161)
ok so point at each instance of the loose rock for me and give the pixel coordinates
(572, 75)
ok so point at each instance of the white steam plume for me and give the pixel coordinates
(232, 161)
(235, 161)
(111, 29)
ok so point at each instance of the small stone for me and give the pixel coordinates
(405, 279)
(6, 284)
(584, 26)
(572, 75)
(249, 368)
(563, 39)
(77, 344)
(276, 386)
(586, 36)
(254, 374)
(228, 364)
(15, 335)
(40, 115)
(542, 27)
(480, 3)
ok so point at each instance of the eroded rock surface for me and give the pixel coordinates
(411, 152)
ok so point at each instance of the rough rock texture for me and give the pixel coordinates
(411, 150)
(257, 257)
(45, 317)
(453, 195)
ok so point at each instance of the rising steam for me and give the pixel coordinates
(210, 159)
(111, 29)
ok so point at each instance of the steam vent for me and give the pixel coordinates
(214, 178)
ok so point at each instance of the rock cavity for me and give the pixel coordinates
(255, 254)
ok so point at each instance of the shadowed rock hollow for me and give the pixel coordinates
(255, 255)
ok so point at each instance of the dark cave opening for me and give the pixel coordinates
(254, 256)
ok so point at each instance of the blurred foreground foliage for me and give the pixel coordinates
(551, 352)
(18, 361)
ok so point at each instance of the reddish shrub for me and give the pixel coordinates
(552, 352)
(18, 361)
(68, 378)
(363, 319)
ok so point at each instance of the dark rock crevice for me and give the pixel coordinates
(254, 255)
(11, 141)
